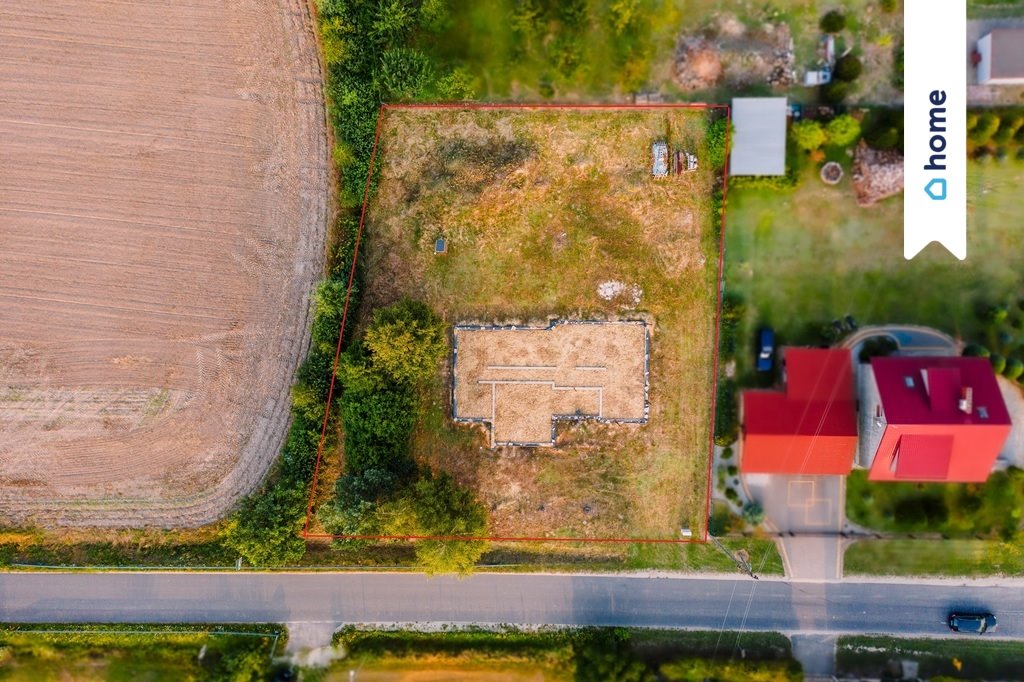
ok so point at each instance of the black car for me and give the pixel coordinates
(977, 623)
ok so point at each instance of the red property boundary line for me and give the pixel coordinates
(305, 534)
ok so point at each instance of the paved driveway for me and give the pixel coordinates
(809, 512)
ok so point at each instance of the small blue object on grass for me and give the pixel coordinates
(440, 246)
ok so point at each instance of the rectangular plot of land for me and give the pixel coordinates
(521, 380)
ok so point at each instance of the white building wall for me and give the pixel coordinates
(985, 65)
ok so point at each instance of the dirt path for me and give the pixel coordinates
(163, 205)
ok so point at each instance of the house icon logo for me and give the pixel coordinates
(936, 189)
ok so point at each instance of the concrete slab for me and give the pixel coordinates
(801, 504)
(814, 558)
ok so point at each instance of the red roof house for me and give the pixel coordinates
(808, 428)
(933, 419)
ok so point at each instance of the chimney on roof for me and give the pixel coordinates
(966, 403)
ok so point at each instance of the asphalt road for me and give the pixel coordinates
(838, 607)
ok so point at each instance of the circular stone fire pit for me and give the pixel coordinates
(831, 173)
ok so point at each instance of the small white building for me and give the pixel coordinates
(1000, 57)
(759, 141)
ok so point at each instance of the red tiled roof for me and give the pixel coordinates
(924, 458)
(922, 390)
(810, 428)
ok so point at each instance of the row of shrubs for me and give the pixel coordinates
(996, 134)
(383, 491)
(370, 57)
(727, 413)
(1003, 330)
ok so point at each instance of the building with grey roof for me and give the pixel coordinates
(758, 145)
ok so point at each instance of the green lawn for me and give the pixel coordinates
(805, 257)
(763, 553)
(923, 557)
(36, 653)
(962, 658)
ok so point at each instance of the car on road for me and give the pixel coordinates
(978, 623)
(766, 349)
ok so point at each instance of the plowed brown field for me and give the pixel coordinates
(163, 199)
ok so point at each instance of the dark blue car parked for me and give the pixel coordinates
(766, 349)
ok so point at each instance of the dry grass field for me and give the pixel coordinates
(163, 204)
(554, 213)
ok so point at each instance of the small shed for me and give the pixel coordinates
(759, 142)
(1000, 57)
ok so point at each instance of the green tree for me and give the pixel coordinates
(1014, 368)
(1009, 126)
(808, 135)
(458, 85)
(392, 21)
(887, 6)
(753, 514)
(333, 39)
(848, 68)
(998, 363)
(404, 73)
(988, 124)
(975, 350)
(715, 140)
(443, 509)
(835, 92)
(265, 530)
(623, 14)
(843, 130)
(833, 22)
(608, 655)
(406, 342)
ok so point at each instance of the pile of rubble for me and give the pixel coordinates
(697, 64)
(728, 53)
(877, 174)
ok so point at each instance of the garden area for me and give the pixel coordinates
(990, 510)
(799, 258)
(563, 655)
(586, 50)
(967, 529)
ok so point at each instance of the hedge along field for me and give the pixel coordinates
(584, 654)
(138, 652)
(370, 57)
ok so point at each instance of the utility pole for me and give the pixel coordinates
(740, 563)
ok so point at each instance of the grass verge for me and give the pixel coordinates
(921, 557)
(138, 652)
(962, 658)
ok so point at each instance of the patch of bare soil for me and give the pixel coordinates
(876, 174)
(727, 53)
(162, 214)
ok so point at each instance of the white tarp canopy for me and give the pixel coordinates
(759, 140)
